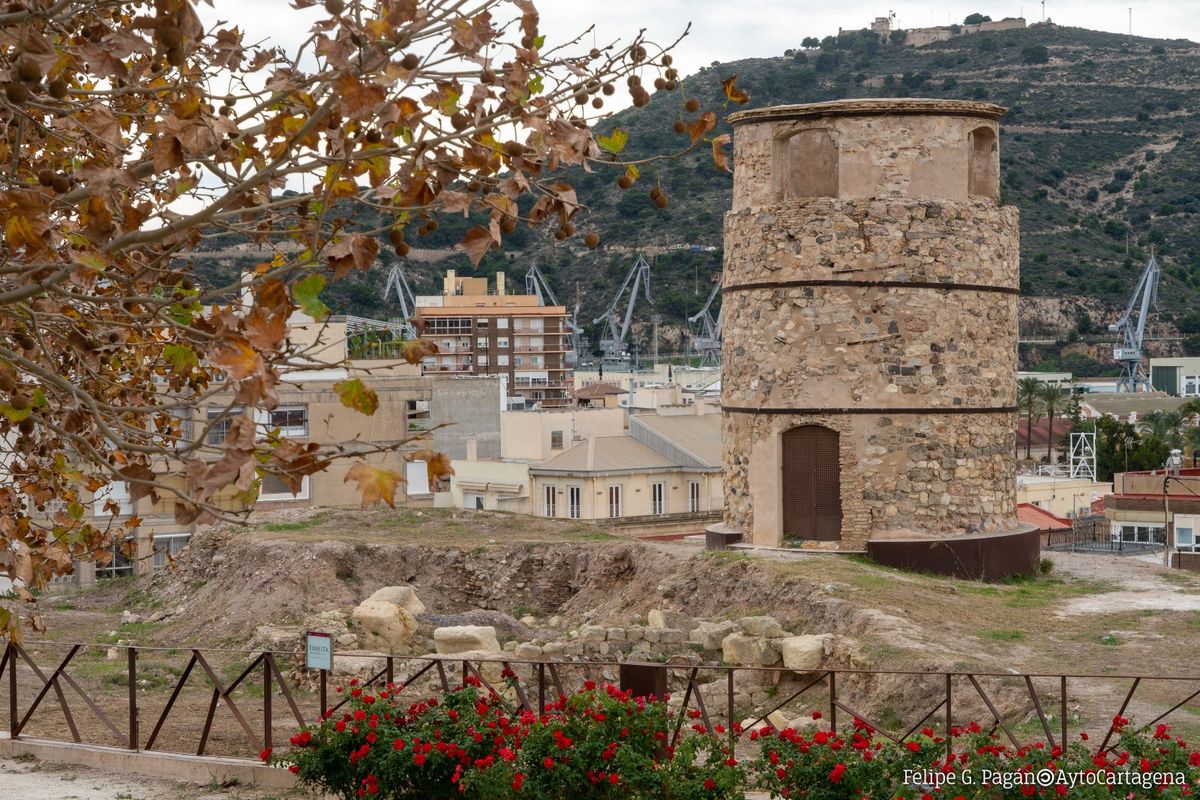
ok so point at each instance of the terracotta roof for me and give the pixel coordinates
(598, 390)
(1043, 519)
(1040, 432)
(606, 454)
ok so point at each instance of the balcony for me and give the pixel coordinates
(432, 369)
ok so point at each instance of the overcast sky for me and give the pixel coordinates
(726, 30)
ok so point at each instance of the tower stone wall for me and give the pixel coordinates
(870, 288)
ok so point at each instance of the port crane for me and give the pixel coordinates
(1128, 353)
(612, 342)
(536, 284)
(706, 337)
(397, 282)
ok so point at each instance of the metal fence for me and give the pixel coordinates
(1094, 535)
(237, 715)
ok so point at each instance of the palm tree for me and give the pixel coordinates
(1166, 426)
(1028, 402)
(1050, 396)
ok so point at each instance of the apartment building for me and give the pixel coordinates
(482, 331)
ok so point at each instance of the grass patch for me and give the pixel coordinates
(1109, 640)
(1000, 635)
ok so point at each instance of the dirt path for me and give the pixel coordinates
(1140, 583)
(30, 779)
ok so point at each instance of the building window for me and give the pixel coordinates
(1140, 534)
(1185, 539)
(658, 493)
(1191, 385)
(550, 501)
(273, 489)
(481, 342)
(501, 361)
(502, 342)
(119, 565)
(573, 504)
(693, 496)
(167, 546)
(481, 324)
(518, 361)
(116, 492)
(502, 323)
(556, 440)
(292, 421)
(482, 360)
(614, 500)
(474, 501)
(219, 420)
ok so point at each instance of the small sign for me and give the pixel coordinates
(319, 651)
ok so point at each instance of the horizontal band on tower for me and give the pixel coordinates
(961, 287)
(883, 412)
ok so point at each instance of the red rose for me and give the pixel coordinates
(710, 784)
(837, 772)
(265, 754)
(419, 759)
(548, 762)
(913, 747)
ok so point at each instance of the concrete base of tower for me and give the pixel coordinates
(986, 556)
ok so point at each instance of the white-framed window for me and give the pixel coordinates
(416, 476)
(472, 500)
(168, 544)
(219, 420)
(1191, 386)
(482, 360)
(502, 342)
(1185, 538)
(518, 361)
(614, 500)
(119, 564)
(501, 361)
(117, 492)
(481, 343)
(292, 421)
(550, 501)
(1139, 533)
(502, 323)
(693, 496)
(574, 494)
(274, 490)
(658, 497)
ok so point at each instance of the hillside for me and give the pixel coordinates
(1100, 150)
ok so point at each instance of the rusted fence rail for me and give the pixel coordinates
(1039, 705)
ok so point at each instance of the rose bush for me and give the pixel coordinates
(598, 742)
(602, 742)
(820, 765)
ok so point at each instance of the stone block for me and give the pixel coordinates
(750, 651)
(592, 633)
(466, 638)
(803, 653)
(672, 636)
(528, 650)
(662, 618)
(710, 635)
(403, 596)
(616, 634)
(388, 626)
(764, 626)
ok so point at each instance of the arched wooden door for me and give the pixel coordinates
(812, 499)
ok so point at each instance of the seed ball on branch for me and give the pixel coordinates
(637, 54)
(593, 53)
(45, 177)
(559, 235)
(28, 71)
(655, 191)
(672, 74)
(641, 99)
(597, 103)
(661, 201)
(6, 382)
(633, 80)
(396, 236)
(410, 61)
(17, 93)
(670, 85)
(667, 59)
(61, 184)
(679, 126)
(374, 136)
(25, 426)
(401, 249)
(487, 77)
(660, 84)
(20, 402)
(625, 181)
(692, 105)
(592, 239)
(508, 224)
(608, 89)
(335, 7)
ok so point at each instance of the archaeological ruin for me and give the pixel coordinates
(870, 289)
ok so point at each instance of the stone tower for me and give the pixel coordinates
(870, 340)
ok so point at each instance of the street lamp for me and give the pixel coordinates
(1170, 470)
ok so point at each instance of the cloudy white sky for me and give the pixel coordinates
(726, 30)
